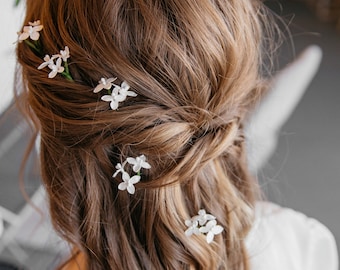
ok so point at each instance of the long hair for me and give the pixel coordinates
(195, 66)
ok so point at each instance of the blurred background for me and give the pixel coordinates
(303, 173)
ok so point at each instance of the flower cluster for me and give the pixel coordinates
(116, 93)
(30, 31)
(54, 63)
(128, 182)
(203, 223)
(57, 63)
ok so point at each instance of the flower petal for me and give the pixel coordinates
(188, 222)
(98, 88)
(146, 165)
(35, 23)
(47, 58)
(211, 223)
(27, 28)
(204, 229)
(107, 86)
(52, 74)
(61, 69)
(217, 229)
(196, 230)
(131, 160)
(37, 28)
(35, 36)
(210, 217)
(114, 105)
(122, 186)
(23, 36)
(131, 94)
(58, 62)
(135, 179)
(107, 98)
(120, 98)
(131, 189)
(136, 167)
(43, 65)
(189, 232)
(201, 212)
(111, 80)
(126, 177)
(125, 85)
(210, 237)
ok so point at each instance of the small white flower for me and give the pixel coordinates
(192, 227)
(138, 163)
(55, 68)
(104, 84)
(203, 217)
(64, 54)
(128, 183)
(114, 99)
(211, 229)
(31, 30)
(203, 223)
(48, 61)
(120, 168)
(123, 89)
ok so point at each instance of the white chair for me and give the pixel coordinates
(288, 87)
(30, 228)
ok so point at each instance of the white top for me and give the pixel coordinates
(283, 239)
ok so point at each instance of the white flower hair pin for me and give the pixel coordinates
(57, 63)
(30, 31)
(203, 223)
(30, 34)
(137, 164)
(54, 63)
(116, 93)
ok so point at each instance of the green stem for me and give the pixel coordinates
(32, 46)
(66, 67)
(67, 76)
(66, 73)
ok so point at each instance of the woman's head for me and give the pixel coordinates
(194, 66)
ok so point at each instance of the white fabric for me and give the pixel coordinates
(283, 239)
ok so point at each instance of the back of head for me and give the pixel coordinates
(194, 66)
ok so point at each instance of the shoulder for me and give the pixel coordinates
(282, 238)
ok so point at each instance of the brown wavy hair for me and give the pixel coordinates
(195, 66)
